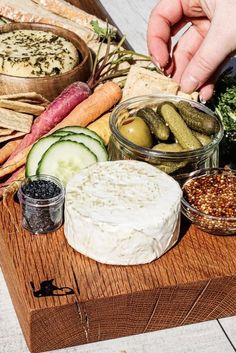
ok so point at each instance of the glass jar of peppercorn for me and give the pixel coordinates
(42, 203)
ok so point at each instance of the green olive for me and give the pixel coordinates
(137, 131)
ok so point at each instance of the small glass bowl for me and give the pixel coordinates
(181, 163)
(41, 215)
(206, 222)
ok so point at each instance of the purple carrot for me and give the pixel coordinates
(57, 110)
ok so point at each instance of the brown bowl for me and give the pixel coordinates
(49, 86)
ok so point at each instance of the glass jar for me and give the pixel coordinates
(204, 200)
(177, 164)
(41, 214)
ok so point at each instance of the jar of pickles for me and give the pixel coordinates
(174, 134)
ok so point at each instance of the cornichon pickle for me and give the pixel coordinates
(204, 139)
(171, 167)
(155, 122)
(168, 147)
(177, 125)
(197, 120)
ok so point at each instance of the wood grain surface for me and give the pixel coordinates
(206, 337)
(195, 281)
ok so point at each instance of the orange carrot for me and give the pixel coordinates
(84, 113)
(104, 98)
(8, 148)
(16, 162)
(13, 183)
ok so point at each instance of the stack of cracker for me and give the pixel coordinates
(17, 112)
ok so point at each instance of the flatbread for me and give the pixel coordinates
(28, 11)
(73, 13)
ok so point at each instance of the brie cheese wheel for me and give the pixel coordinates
(122, 212)
(32, 53)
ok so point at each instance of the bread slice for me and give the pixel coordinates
(71, 12)
(28, 11)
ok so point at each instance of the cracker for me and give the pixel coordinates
(35, 102)
(16, 121)
(21, 107)
(141, 81)
(26, 96)
(5, 132)
(12, 136)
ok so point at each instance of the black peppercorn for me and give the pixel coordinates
(42, 199)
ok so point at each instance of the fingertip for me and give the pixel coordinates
(159, 34)
(159, 53)
(206, 92)
(189, 83)
(169, 69)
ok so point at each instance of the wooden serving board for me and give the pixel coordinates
(63, 298)
(193, 282)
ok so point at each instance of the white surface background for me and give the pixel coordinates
(209, 337)
(131, 16)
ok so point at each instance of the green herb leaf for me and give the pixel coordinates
(223, 104)
(103, 33)
(224, 99)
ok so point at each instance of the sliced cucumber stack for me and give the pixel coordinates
(36, 153)
(77, 130)
(64, 159)
(65, 152)
(94, 145)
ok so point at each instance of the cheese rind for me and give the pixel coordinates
(35, 53)
(122, 212)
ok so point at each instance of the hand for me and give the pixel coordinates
(202, 49)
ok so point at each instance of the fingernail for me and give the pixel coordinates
(202, 100)
(189, 84)
(157, 64)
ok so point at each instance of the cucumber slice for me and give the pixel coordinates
(77, 130)
(36, 152)
(93, 145)
(64, 159)
(61, 133)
